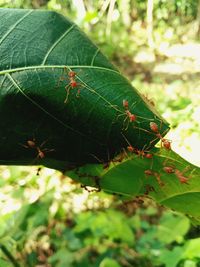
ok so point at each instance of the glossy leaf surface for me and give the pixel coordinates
(68, 124)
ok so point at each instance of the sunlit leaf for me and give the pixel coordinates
(128, 178)
(107, 262)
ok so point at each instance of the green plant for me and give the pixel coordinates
(57, 115)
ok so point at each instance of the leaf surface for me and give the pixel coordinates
(38, 50)
(128, 179)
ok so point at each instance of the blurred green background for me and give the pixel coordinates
(48, 220)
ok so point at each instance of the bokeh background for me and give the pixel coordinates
(48, 220)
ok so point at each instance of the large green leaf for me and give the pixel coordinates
(38, 49)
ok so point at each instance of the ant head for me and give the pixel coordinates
(149, 156)
(166, 144)
(125, 103)
(148, 172)
(168, 169)
(72, 74)
(154, 127)
(183, 180)
(130, 149)
(41, 154)
(31, 143)
(132, 118)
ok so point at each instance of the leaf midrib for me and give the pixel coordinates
(2, 72)
(175, 195)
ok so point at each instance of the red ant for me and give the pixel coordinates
(130, 148)
(40, 152)
(154, 127)
(149, 100)
(164, 142)
(141, 153)
(168, 169)
(156, 175)
(148, 189)
(125, 104)
(131, 117)
(118, 159)
(183, 179)
(72, 83)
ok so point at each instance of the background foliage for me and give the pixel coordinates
(48, 220)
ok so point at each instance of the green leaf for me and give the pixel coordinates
(192, 249)
(107, 262)
(128, 178)
(10, 222)
(112, 225)
(171, 258)
(62, 258)
(172, 228)
(190, 263)
(38, 49)
(4, 263)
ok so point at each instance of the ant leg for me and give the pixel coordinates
(68, 87)
(78, 93)
(125, 123)
(46, 150)
(64, 75)
(116, 119)
(43, 143)
(79, 90)
(24, 145)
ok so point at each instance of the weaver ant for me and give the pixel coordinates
(183, 179)
(148, 189)
(72, 83)
(143, 153)
(149, 100)
(129, 117)
(164, 142)
(31, 144)
(156, 175)
(117, 159)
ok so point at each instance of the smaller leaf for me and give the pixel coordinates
(172, 228)
(192, 249)
(107, 262)
(171, 258)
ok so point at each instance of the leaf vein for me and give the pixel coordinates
(56, 67)
(56, 43)
(93, 58)
(14, 26)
